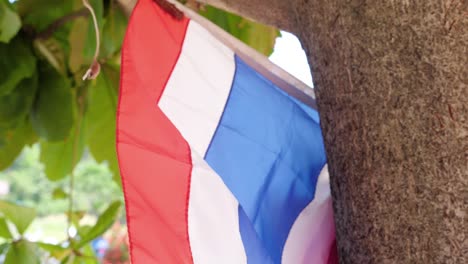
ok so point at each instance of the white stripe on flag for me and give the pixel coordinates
(213, 219)
(199, 86)
(313, 231)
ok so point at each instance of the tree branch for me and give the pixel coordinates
(47, 33)
(278, 13)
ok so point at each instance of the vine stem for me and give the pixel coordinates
(75, 159)
(96, 27)
(94, 68)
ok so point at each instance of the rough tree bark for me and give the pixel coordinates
(392, 88)
(391, 81)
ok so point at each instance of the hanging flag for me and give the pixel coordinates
(220, 151)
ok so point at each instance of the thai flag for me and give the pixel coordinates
(221, 155)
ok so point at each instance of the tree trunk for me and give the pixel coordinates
(392, 86)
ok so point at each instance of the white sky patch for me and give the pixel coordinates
(289, 55)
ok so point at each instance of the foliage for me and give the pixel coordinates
(20, 216)
(30, 187)
(256, 35)
(10, 22)
(45, 48)
(40, 94)
(21, 250)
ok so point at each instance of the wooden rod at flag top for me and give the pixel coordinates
(259, 62)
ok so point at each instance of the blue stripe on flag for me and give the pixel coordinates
(254, 249)
(269, 152)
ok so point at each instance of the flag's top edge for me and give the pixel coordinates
(259, 62)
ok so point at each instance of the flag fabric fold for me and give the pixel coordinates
(219, 162)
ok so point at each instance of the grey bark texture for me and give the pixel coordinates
(391, 80)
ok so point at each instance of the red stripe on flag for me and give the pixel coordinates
(153, 43)
(154, 159)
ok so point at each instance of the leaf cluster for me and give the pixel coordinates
(45, 47)
(15, 219)
(28, 186)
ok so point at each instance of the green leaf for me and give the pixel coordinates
(15, 106)
(23, 252)
(77, 43)
(57, 157)
(113, 32)
(258, 36)
(50, 247)
(104, 222)
(88, 256)
(38, 15)
(90, 46)
(20, 216)
(82, 38)
(3, 247)
(101, 116)
(55, 251)
(53, 115)
(4, 229)
(68, 259)
(14, 141)
(41, 13)
(52, 50)
(10, 22)
(83, 229)
(75, 217)
(85, 260)
(85, 256)
(17, 62)
(58, 193)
